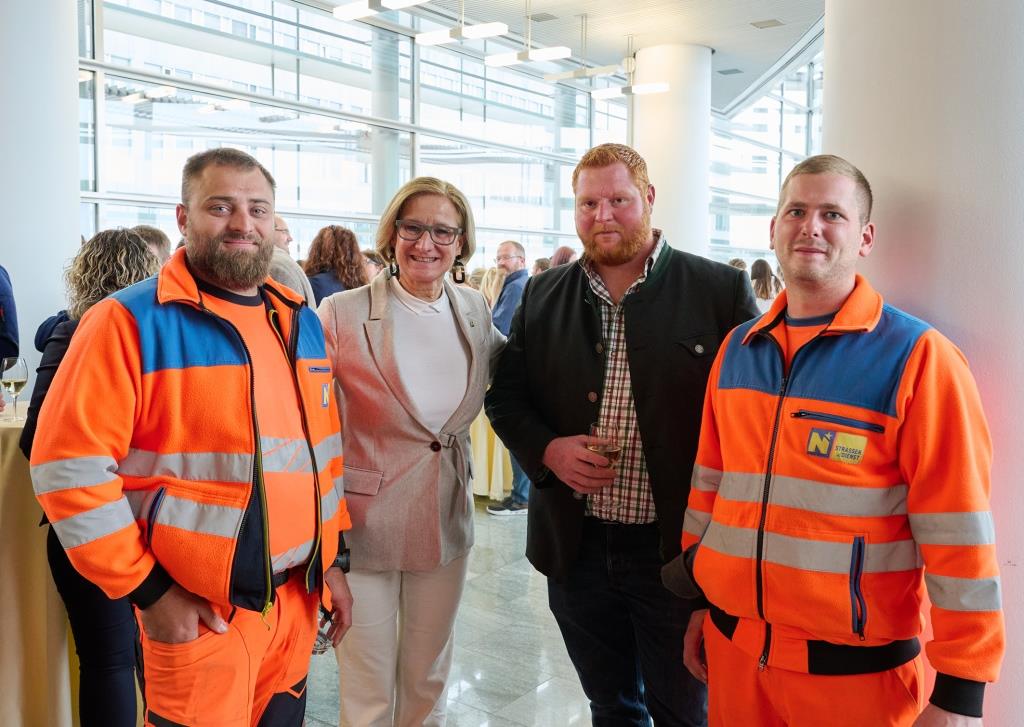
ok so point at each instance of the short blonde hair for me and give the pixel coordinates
(425, 185)
(605, 155)
(832, 164)
(491, 284)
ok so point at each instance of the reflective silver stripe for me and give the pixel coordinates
(811, 555)
(198, 517)
(65, 474)
(327, 449)
(329, 502)
(285, 455)
(94, 524)
(139, 501)
(819, 497)
(292, 557)
(964, 594)
(705, 479)
(194, 466)
(953, 528)
(695, 522)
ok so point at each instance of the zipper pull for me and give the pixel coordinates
(263, 614)
(762, 663)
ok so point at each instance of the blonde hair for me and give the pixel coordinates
(106, 263)
(832, 164)
(425, 185)
(605, 155)
(491, 284)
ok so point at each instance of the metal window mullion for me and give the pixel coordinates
(414, 108)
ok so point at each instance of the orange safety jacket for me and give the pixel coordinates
(148, 459)
(826, 498)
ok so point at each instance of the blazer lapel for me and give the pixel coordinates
(380, 336)
(468, 323)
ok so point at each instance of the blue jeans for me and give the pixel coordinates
(624, 631)
(520, 484)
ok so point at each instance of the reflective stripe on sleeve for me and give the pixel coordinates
(329, 502)
(705, 479)
(964, 594)
(85, 527)
(953, 528)
(327, 449)
(180, 512)
(193, 466)
(695, 522)
(65, 474)
(818, 497)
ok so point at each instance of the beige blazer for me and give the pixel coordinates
(408, 489)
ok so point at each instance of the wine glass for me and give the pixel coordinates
(612, 447)
(15, 376)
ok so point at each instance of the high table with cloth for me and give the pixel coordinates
(35, 683)
(492, 468)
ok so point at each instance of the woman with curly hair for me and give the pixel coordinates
(334, 262)
(104, 629)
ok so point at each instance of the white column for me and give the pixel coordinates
(39, 159)
(672, 131)
(926, 97)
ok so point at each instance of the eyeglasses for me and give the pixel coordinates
(441, 234)
(501, 258)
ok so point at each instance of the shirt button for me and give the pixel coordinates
(699, 348)
(599, 348)
(436, 446)
(592, 397)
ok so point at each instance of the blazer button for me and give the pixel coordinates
(436, 446)
(699, 348)
(592, 397)
(599, 348)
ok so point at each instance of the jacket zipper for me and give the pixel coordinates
(154, 508)
(858, 604)
(836, 419)
(257, 472)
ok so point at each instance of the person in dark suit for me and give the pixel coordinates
(625, 340)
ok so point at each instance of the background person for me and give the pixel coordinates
(373, 263)
(540, 265)
(766, 286)
(158, 243)
(334, 262)
(413, 356)
(8, 317)
(105, 632)
(491, 282)
(563, 256)
(283, 267)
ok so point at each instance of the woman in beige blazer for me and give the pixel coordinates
(412, 355)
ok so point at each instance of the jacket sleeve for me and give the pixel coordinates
(945, 458)
(744, 302)
(508, 403)
(85, 430)
(8, 317)
(53, 353)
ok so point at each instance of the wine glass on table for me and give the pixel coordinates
(15, 376)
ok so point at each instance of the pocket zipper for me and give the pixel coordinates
(836, 419)
(858, 605)
(151, 516)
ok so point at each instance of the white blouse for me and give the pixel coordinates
(431, 354)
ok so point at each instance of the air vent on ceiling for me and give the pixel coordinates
(542, 17)
(730, 71)
(763, 24)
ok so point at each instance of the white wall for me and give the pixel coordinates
(927, 98)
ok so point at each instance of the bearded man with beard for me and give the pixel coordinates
(624, 339)
(205, 482)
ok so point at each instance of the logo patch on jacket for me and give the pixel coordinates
(325, 399)
(837, 446)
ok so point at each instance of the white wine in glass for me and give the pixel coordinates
(610, 449)
(14, 378)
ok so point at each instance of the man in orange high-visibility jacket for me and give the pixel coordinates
(188, 456)
(843, 467)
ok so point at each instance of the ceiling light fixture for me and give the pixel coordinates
(529, 53)
(631, 89)
(462, 31)
(365, 8)
(587, 72)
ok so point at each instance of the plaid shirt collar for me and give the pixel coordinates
(597, 284)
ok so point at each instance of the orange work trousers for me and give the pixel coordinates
(740, 695)
(256, 671)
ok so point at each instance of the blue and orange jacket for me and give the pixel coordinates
(826, 499)
(148, 459)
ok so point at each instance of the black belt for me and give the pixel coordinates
(830, 659)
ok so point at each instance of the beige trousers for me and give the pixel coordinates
(393, 663)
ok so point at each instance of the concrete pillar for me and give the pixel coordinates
(927, 101)
(384, 87)
(39, 176)
(672, 131)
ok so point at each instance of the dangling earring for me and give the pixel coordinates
(393, 267)
(459, 270)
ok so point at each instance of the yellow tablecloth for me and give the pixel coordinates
(35, 686)
(492, 468)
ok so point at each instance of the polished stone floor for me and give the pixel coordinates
(510, 669)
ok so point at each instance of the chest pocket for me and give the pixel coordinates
(701, 348)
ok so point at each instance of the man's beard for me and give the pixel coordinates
(230, 269)
(631, 242)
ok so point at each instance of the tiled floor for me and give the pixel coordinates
(510, 669)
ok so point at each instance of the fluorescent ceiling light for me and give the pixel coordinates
(484, 30)
(358, 9)
(585, 73)
(506, 59)
(550, 54)
(640, 89)
(606, 93)
(474, 32)
(435, 37)
(399, 4)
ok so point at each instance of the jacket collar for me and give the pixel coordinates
(175, 282)
(859, 313)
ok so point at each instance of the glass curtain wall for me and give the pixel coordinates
(752, 152)
(342, 113)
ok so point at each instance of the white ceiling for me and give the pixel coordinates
(724, 25)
